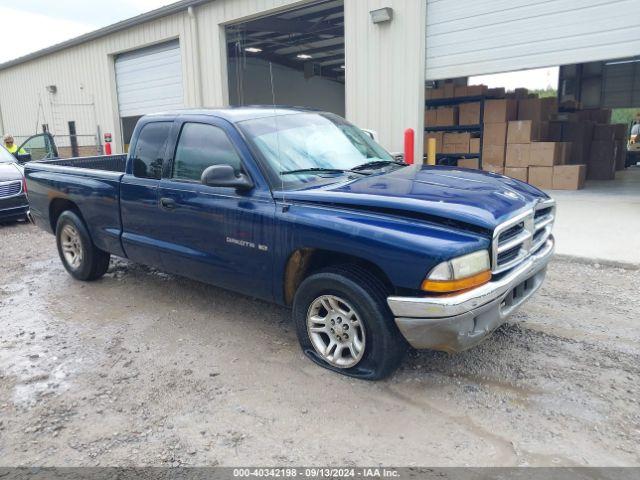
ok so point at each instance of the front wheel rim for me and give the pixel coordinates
(71, 245)
(336, 331)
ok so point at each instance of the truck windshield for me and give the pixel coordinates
(5, 156)
(306, 148)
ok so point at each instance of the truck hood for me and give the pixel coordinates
(10, 171)
(477, 198)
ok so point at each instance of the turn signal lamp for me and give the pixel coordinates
(461, 273)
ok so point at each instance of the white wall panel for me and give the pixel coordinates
(385, 70)
(474, 37)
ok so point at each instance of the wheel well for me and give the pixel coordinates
(57, 207)
(306, 261)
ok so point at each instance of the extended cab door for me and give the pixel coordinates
(215, 234)
(139, 192)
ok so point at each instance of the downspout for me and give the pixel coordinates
(195, 37)
(2, 132)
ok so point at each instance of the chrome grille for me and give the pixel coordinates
(10, 189)
(519, 237)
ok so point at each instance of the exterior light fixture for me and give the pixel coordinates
(381, 15)
(253, 49)
(304, 56)
(342, 67)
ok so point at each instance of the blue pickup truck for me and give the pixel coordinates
(303, 209)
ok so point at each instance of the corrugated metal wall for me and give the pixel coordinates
(475, 37)
(385, 69)
(85, 76)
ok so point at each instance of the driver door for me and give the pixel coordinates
(214, 234)
(37, 147)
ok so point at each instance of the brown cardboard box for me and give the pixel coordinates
(494, 133)
(487, 167)
(518, 155)
(569, 177)
(548, 154)
(449, 90)
(603, 131)
(476, 90)
(460, 91)
(621, 154)
(447, 116)
(541, 177)
(554, 131)
(496, 92)
(438, 137)
(456, 137)
(538, 109)
(499, 111)
(596, 115)
(469, 163)
(469, 113)
(602, 160)
(456, 142)
(431, 117)
(519, 173)
(474, 145)
(620, 131)
(525, 131)
(521, 93)
(455, 148)
(436, 93)
(565, 117)
(580, 135)
(493, 154)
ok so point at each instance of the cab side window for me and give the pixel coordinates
(149, 151)
(201, 146)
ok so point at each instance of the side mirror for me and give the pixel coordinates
(23, 157)
(225, 176)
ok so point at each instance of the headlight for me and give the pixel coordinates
(461, 273)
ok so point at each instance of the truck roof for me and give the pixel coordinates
(237, 114)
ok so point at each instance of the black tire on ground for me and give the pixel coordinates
(384, 345)
(94, 263)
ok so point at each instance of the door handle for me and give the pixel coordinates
(168, 203)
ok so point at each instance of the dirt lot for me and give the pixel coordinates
(143, 368)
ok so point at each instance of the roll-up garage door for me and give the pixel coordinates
(476, 37)
(150, 80)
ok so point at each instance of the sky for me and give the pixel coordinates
(30, 25)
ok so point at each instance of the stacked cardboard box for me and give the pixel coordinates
(441, 117)
(616, 133)
(451, 90)
(497, 114)
(531, 156)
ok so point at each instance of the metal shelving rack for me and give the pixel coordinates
(452, 158)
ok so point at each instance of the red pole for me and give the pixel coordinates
(107, 148)
(409, 145)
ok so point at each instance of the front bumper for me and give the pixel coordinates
(458, 322)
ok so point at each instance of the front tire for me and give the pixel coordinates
(80, 257)
(343, 323)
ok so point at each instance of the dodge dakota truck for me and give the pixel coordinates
(303, 209)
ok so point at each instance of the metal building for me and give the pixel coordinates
(365, 59)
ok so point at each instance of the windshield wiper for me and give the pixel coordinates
(379, 164)
(319, 170)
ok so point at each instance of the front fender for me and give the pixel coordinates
(404, 249)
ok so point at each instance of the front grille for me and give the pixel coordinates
(9, 189)
(523, 235)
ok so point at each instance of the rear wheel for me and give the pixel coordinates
(344, 324)
(80, 257)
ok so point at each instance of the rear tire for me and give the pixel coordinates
(80, 257)
(343, 323)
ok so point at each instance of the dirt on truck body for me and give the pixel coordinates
(144, 368)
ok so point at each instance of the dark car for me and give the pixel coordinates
(13, 191)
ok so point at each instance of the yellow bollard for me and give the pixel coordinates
(431, 151)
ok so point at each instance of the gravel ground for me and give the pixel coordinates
(144, 368)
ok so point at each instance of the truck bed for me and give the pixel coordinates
(110, 163)
(90, 185)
